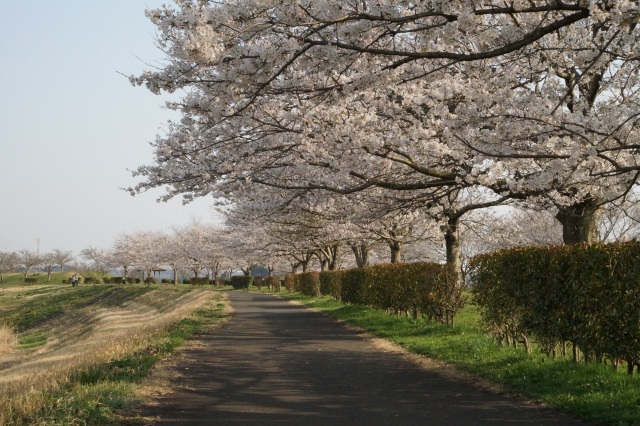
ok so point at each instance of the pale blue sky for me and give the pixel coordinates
(71, 125)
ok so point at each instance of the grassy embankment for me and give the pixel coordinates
(594, 392)
(78, 355)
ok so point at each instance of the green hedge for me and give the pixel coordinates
(308, 283)
(352, 288)
(331, 283)
(417, 289)
(586, 295)
(290, 282)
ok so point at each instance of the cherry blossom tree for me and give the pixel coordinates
(8, 262)
(191, 246)
(123, 253)
(48, 263)
(216, 256)
(28, 259)
(620, 221)
(99, 258)
(61, 257)
(532, 100)
(170, 255)
(146, 246)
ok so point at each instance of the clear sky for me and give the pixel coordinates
(71, 126)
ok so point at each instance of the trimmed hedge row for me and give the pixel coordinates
(309, 283)
(417, 289)
(586, 295)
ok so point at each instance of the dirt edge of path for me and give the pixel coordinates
(158, 383)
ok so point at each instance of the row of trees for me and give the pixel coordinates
(403, 119)
(27, 260)
(294, 241)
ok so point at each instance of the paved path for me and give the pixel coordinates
(279, 363)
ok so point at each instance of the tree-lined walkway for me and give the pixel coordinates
(276, 362)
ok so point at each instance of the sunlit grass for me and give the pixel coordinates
(88, 360)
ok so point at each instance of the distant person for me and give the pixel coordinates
(74, 280)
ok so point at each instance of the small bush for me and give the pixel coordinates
(116, 280)
(239, 282)
(200, 281)
(30, 280)
(258, 282)
(272, 283)
(91, 280)
(290, 282)
(150, 280)
(186, 281)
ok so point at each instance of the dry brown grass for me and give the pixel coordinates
(84, 338)
(8, 339)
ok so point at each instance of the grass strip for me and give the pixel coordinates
(32, 340)
(34, 311)
(594, 392)
(98, 394)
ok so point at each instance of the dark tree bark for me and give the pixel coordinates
(452, 246)
(396, 249)
(579, 222)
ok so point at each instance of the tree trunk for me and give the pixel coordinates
(395, 251)
(333, 250)
(579, 222)
(452, 245)
(323, 262)
(216, 272)
(361, 252)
